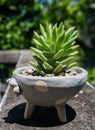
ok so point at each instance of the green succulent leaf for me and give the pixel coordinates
(68, 33)
(49, 31)
(37, 67)
(47, 54)
(73, 43)
(33, 64)
(52, 48)
(44, 43)
(54, 33)
(67, 61)
(58, 54)
(72, 64)
(60, 42)
(38, 52)
(69, 42)
(48, 66)
(60, 29)
(75, 33)
(73, 48)
(38, 44)
(37, 59)
(36, 36)
(58, 68)
(43, 31)
(73, 53)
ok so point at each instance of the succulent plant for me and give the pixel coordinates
(55, 48)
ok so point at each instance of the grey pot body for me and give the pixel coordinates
(50, 91)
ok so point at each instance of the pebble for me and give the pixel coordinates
(29, 71)
(73, 73)
(26, 72)
(66, 74)
(68, 71)
(81, 92)
(49, 75)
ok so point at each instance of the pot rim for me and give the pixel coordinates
(82, 73)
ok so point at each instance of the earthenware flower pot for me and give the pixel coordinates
(47, 91)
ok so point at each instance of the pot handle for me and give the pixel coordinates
(13, 83)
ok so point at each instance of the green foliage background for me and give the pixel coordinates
(18, 19)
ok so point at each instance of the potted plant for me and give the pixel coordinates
(51, 80)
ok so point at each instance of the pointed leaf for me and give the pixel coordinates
(42, 31)
(35, 50)
(58, 68)
(75, 33)
(33, 64)
(74, 47)
(37, 59)
(68, 33)
(66, 61)
(58, 54)
(44, 43)
(38, 52)
(73, 53)
(60, 42)
(47, 66)
(72, 64)
(69, 41)
(71, 49)
(36, 36)
(52, 48)
(36, 67)
(54, 33)
(37, 44)
(49, 31)
(47, 54)
(60, 29)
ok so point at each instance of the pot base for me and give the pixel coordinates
(61, 111)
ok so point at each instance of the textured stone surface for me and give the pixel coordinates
(3, 87)
(80, 112)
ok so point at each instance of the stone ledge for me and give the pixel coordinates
(12, 56)
(80, 111)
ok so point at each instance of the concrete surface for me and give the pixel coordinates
(80, 111)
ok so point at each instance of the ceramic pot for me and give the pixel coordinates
(47, 91)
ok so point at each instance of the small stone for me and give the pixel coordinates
(62, 74)
(76, 95)
(16, 90)
(29, 71)
(49, 75)
(68, 71)
(66, 74)
(35, 73)
(73, 73)
(81, 92)
(24, 72)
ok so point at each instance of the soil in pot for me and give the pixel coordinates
(34, 72)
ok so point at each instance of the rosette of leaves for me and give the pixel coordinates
(55, 49)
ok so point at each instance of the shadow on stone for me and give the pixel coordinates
(42, 116)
